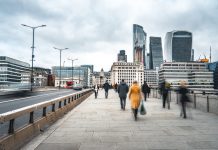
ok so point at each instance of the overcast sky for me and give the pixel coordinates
(95, 30)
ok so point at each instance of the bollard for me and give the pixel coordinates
(177, 98)
(195, 101)
(208, 104)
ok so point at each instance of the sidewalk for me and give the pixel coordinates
(100, 124)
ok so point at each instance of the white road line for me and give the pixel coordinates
(28, 97)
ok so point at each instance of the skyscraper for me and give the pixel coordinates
(139, 45)
(178, 46)
(156, 54)
(122, 56)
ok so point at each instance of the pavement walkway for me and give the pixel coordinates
(100, 124)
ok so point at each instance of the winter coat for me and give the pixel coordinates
(123, 89)
(106, 87)
(145, 88)
(183, 91)
(135, 96)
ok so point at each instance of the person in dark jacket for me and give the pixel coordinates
(145, 90)
(149, 90)
(106, 87)
(165, 87)
(183, 91)
(123, 90)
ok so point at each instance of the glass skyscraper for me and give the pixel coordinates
(178, 46)
(122, 56)
(139, 45)
(156, 54)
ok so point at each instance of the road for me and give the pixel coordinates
(12, 102)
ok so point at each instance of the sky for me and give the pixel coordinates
(96, 30)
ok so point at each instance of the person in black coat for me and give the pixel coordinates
(106, 87)
(183, 91)
(145, 90)
(123, 90)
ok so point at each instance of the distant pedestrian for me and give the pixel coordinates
(115, 87)
(165, 87)
(149, 90)
(183, 91)
(145, 90)
(96, 90)
(135, 97)
(123, 90)
(106, 87)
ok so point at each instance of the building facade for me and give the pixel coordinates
(156, 53)
(122, 56)
(196, 74)
(99, 78)
(127, 71)
(40, 76)
(14, 73)
(151, 77)
(214, 68)
(178, 46)
(139, 45)
(81, 75)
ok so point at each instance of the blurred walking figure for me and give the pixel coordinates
(135, 97)
(115, 87)
(165, 87)
(183, 91)
(106, 87)
(145, 90)
(96, 90)
(123, 90)
(149, 90)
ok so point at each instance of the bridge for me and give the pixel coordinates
(101, 124)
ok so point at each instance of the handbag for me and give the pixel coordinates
(142, 109)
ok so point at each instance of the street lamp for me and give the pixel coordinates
(60, 63)
(33, 28)
(72, 66)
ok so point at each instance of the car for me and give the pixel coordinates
(77, 87)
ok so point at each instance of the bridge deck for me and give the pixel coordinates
(100, 124)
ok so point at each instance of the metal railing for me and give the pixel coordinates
(58, 107)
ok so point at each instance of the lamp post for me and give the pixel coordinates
(72, 66)
(60, 63)
(33, 28)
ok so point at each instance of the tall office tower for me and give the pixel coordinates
(122, 56)
(139, 45)
(156, 54)
(192, 55)
(178, 46)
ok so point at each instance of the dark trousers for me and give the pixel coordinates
(123, 102)
(184, 109)
(145, 96)
(96, 94)
(106, 94)
(135, 112)
(164, 99)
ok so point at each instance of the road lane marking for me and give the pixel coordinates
(30, 97)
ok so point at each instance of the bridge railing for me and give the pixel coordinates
(206, 101)
(49, 112)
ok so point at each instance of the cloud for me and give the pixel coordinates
(95, 30)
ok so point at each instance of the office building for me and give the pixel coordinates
(127, 71)
(13, 73)
(178, 46)
(122, 56)
(214, 68)
(196, 74)
(80, 74)
(139, 45)
(101, 77)
(151, 77)
(156, 53)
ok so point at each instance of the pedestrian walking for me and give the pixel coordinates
(135, 97)
(149, 90)
(115, 87)
(183, 91)
(165, 87)
(123, 90)
(96, 90)
(145, 90)
(106, 87)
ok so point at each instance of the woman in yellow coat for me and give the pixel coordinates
(135, 97)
